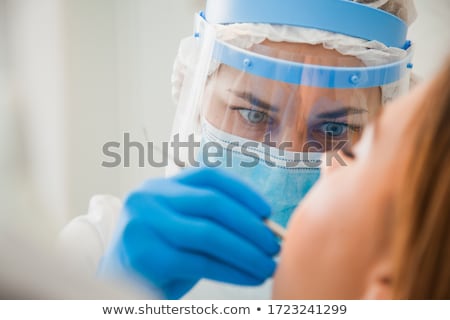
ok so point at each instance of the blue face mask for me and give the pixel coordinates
(283, 178)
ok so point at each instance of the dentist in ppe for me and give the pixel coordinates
(266, 88)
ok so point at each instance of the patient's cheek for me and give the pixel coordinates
(282, 287)
(285, 279)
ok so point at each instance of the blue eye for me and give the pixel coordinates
(254, 117)
(333, 129)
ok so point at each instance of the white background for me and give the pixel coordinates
(82, 72)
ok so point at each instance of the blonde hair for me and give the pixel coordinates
(422, 211)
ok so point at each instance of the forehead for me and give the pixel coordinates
(228, 79)
(296, 52)
(306, 53)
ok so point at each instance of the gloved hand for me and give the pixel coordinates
(199, 224)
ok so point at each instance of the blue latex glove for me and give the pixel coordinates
(202, 223)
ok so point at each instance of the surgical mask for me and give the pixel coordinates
(283, 178)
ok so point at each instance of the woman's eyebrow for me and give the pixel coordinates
(344, 111)
(249, 97)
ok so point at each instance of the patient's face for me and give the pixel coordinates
(337, 245)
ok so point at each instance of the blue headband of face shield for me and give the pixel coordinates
(338, 16)
(307, 74)
(319, 14)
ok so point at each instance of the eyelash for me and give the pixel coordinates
(355, 128)
(270, 121)
(348, 152)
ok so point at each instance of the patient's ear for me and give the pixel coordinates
(379, 286)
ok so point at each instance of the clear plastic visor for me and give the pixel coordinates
(292, 96)
(294, 117)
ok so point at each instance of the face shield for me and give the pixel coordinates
(268, 110)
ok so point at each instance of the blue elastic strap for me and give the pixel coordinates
(339, 16)
(307, 74)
